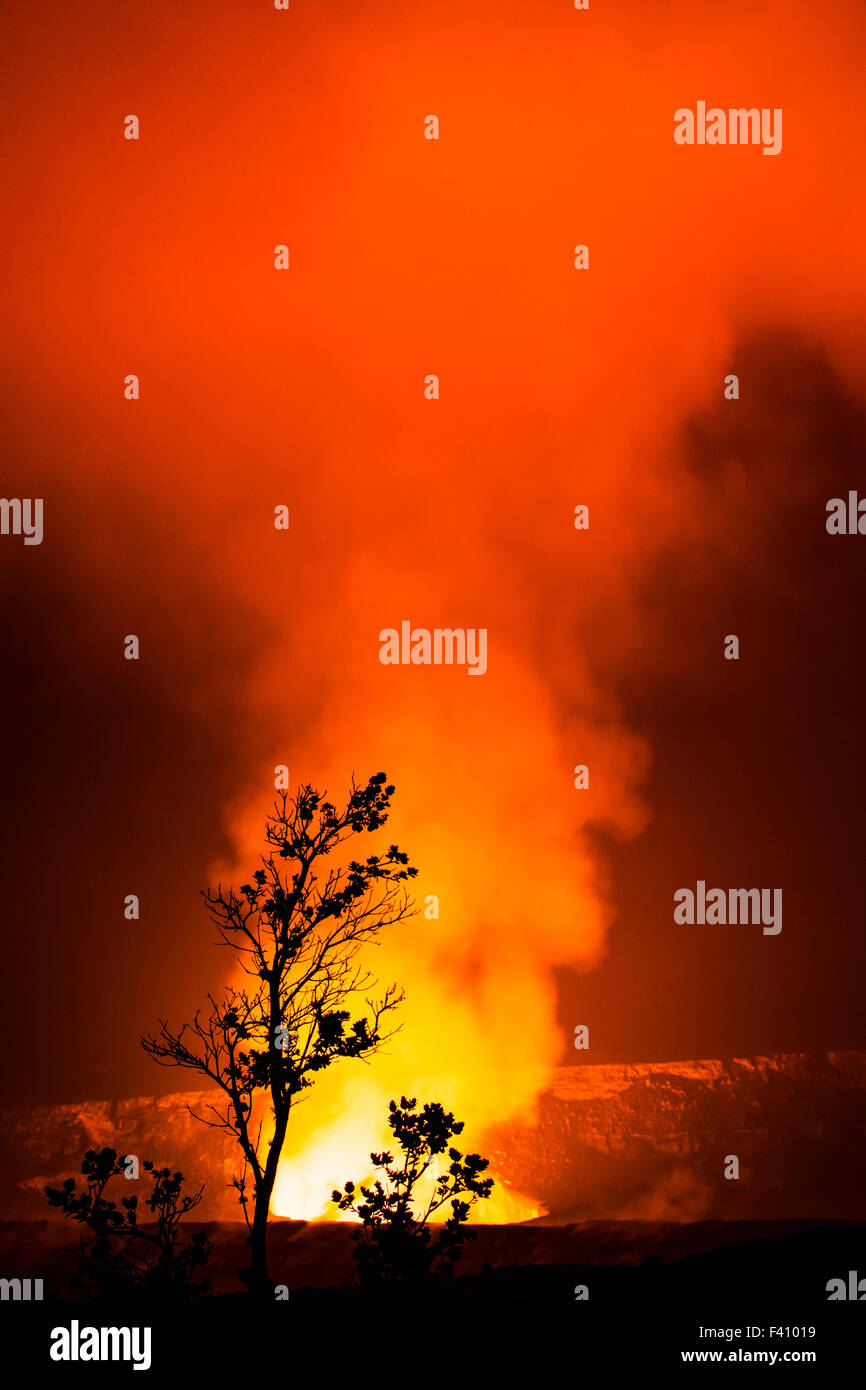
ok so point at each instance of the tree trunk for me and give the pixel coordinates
(260, 1284)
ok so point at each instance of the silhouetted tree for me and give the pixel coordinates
(297, 936)
(121, 1255)
(394, 1243)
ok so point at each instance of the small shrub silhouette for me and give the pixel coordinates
(394, 1244)
(121, 1257)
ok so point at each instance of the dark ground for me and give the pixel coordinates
(651, 1287)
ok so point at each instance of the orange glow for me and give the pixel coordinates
(305, 388)
(328, 1146)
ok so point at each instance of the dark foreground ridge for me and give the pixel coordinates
(743, 1287)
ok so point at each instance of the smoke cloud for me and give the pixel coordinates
(558, 388)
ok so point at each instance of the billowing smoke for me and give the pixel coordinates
(557, 388)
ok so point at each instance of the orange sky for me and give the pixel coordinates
(411, 257)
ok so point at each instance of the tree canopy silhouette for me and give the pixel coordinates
(394, 1243)
(297, 930)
